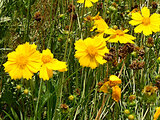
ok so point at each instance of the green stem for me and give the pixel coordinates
(28, 21)
(39, 96)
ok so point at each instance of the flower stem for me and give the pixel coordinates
(39, 96)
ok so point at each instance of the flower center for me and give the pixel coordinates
(46, 59)
(146, 21)
(91, 50)
(21, 60)
(119, 32)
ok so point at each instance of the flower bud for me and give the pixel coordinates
(131, 117)
(115, 27)
(126, 111)
(134, 54)
(26, 91)
(71, 97)
(158, 60)
(18, 87)
(112, 8)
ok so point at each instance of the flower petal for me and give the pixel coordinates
(147, 30)
(137, 16)
(93, 63)
(139, 29)
(145, 12)
(135, 22)
(88, 3)
(100, 59)
(43, 73)
(80, 45)
(85, 61)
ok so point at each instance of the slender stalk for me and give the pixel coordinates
(28, 21)
(145, 113)
(39, 96)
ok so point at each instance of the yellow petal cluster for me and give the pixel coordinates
(49, 64)
(116, 93)
(145, 22)
(113, 83)
(114, 80)
(157, 114)
(26, 60)
(105, 87)
(90, 51)
(99, 24)
(88, 3)
(115, 35)
(23, 62)
(119, 35)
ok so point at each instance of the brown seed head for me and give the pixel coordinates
(37, 16)
(132, 97)
(64, 106)
(70, 7)
(154, 5)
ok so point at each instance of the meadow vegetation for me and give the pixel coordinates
(79, 59)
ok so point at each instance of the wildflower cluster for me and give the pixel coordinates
(113, 83)
(26, 60)
(117, 48)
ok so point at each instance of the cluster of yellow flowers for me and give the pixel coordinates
(113, 83)
(90, 52)
(26, 60)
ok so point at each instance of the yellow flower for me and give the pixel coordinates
(119, 35)
(157, 113)
(145, 22)
(105, 87)
(88, 3)
(49, 64)
(90, 51)
(99, 24)
(114, 80)
(116, 93)
(23, 62)
(26, 91)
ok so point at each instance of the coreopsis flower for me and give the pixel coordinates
(157, 113)
(99, 24)
(119, 35)
(88, 3)
(90, 51)
(116, 93)
(114, 80)
(23, 62)
(145, 22)
(49, 64)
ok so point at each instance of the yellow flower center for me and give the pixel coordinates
(91, 50)
(21, 61)
(46, 59)
(146, 21)
(119, 32)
